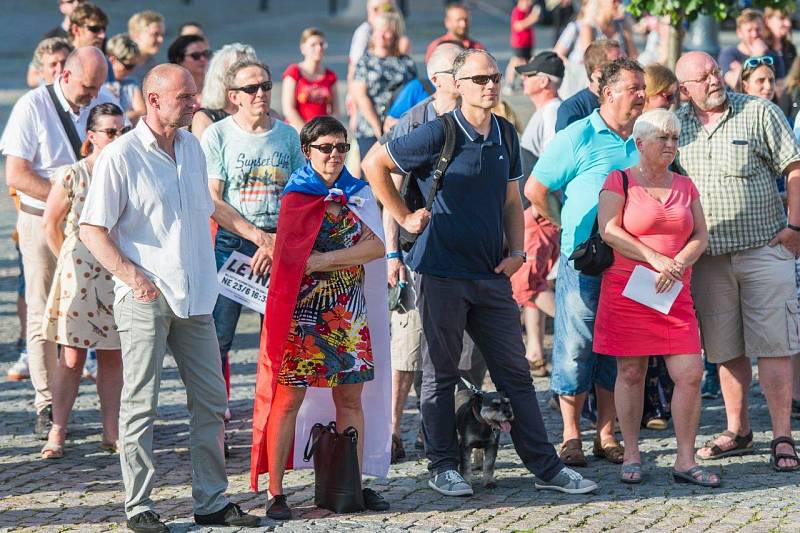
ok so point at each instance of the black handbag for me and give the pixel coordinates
(337, 476)
(594, 255)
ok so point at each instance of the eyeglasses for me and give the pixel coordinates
(72, 1)
(754, 62)
(96, 28)
(197, 56)
(253, 89)
(327, 148)
(114, 132)
(443, 72)
(483, 79)
(715, 73)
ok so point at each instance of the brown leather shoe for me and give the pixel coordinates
(610, 450)
(571, 453)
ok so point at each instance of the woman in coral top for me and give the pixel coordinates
(309, 89)
(659, 226)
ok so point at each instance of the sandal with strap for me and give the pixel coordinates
(634, 470)
(571, 453)
(777, 456)
(52, 451)
(744, 446)
(691, 476)
(610, 450)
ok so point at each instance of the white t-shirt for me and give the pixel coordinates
(360, 42)
(34, 132)
(541, 128)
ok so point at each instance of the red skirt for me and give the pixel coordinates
(624, 327)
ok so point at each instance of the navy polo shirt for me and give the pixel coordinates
(579, 105)
(464, 238)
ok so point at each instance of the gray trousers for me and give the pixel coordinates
(146, 331)
(487, 311)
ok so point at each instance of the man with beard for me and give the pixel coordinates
(149, 195)
(598, 144)
(734, 147)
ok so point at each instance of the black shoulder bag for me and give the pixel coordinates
(594, 255)
(67, 124)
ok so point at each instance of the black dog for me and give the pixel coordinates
(480, 417)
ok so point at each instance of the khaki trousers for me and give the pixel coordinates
(39, 265)
(146, 330)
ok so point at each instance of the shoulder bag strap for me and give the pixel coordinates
(67, 124)
(596, 226)
(444, 157)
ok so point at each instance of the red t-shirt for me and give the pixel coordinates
(313, 98)
(524, 38)
(468, 43)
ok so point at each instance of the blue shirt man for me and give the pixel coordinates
(410, 95)
(576, 107)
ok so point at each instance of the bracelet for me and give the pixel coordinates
(394, 255)
(793, 227)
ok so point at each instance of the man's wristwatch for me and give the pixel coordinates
(793, 227)
(519, 253)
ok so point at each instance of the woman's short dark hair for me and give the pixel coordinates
(100, 110)
(319, 127)
(177, 50)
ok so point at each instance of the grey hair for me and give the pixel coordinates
(214, 94)
(442, 59)
(461, 58)
(655, 122)
(50, 45)
(233, 70)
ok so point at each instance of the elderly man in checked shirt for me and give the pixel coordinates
(734, 146)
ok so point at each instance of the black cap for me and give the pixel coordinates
(544, 62)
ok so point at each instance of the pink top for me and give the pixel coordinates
(665, 226)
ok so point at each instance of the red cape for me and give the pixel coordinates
(299, 221)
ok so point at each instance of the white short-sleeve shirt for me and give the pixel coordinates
(34, 132)
(157, 210)
(541, 128)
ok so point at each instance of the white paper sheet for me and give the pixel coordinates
(641, 288)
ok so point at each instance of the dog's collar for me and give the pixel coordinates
(476, 412)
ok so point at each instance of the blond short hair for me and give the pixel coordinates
(141, 20)
(123, 48)
(50, 45)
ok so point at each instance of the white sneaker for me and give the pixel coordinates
(569, 481)
(19, 370)
(90, 367)
(450, 483)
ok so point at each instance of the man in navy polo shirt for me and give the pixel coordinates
(463, 281)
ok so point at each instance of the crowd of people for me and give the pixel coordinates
(683, 173)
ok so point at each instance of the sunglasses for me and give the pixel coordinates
(253, 89)
(668, 96)
(197, 56)
(483, 79)
(753, 62)
(128, 66)
(114, 132)
(96, 29)
(327, 148)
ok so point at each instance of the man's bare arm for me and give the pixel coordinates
(21, 176)
(545, 202)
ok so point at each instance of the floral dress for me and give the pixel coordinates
(383, 76)
(79, 311)
(329, 342)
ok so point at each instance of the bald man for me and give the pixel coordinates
(734, 147)
(149, 197)
(36, 142)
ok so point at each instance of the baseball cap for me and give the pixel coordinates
(544, 62)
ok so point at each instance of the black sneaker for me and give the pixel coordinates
(279, 509)
(374, 501)
(230, 515)
(44, 420)
(147, 522)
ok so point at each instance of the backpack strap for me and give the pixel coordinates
(428, 86)
(67, 124)
(444, 156)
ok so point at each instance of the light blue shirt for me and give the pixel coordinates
(576, 162)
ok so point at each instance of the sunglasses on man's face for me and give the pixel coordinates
(753, 62)
(253, 89)
(483, 79)
(327, 148)
(197, 56)
(114, 132)
(96, 28)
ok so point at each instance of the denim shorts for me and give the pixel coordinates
(575, 366)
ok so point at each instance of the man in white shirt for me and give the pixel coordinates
(542, 78)
(148, 200)
(35, 144)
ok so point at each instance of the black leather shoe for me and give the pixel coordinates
(374, 501)
(44, 420)
(230, 515)
(147, 522)
(279, 509)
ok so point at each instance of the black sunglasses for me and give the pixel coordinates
(253, 89)
(327, 148)
(114, 132)
(197, 56)
(483, 79)
(128, 66)
(96, 29)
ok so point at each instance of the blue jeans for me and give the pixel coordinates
(226, 311)
(576, 367)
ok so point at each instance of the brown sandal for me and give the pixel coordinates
(777, 456)
(610, 450)
(743, 446)
(538, 368)
(571, 453)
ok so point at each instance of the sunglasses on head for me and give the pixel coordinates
(197, 56)
(483, 79)
(114, 132)
(253, 89)
(96, 28)
(327, 148)
(753, 62)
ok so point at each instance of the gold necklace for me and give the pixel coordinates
(652, 182)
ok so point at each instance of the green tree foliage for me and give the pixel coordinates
(681, 11)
